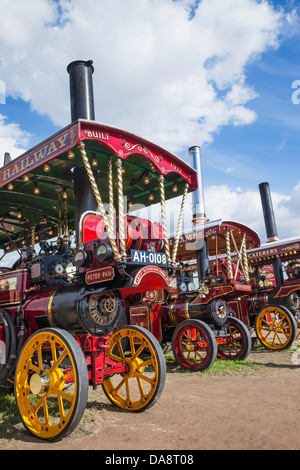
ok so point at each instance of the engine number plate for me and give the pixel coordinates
(148, 258)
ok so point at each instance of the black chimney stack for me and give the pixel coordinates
(82, 107)
(271, 229)
(81, 90)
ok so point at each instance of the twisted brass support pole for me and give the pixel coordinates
(122, 240)
(111, 210)
(246, 265)
(164, 216)
(99, 201)
(240, 257)
(179, 224)
(228, 250)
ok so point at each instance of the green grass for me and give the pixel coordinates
(8, 411)
(219, 366)
(8, 406)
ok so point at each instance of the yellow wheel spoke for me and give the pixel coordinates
(118, 387)
(40, 358)
(127, 389)
(59, 360)
(140, 385)
(138, 352)
(150, 362)
(33, 367)
(62, 394)
(145, 378)
(53, 351)
(40, 403)
(61, 407)
(46, 412)
(68, 376)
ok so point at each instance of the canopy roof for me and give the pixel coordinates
(215, 234)
(287, 249)
(49, 166)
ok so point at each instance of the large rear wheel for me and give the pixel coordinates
(276, 327)
(143, 381)
(194, 345)
(51, 384)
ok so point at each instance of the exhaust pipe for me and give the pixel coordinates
(199, 216)
(271, 229)
(81, 90)
(82, 107)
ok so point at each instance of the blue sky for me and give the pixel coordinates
(272, 141)
(210, 73)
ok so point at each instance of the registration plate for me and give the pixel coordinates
(148, 257)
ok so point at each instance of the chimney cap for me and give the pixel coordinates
(87, 63)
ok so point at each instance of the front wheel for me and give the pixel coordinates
(194, 345)
(145, 369)
(276, 327)
(51, 384)
(236, 345)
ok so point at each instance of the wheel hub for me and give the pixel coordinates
(133, 366)
(39, 383)
(190, 346)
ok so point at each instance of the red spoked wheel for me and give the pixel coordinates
(194, 345)
(236, 345)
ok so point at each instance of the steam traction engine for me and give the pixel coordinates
(194, 314)
(273, 307)
(63, 306)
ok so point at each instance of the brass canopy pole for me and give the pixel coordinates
(164, 216)
(110, 192)
(228, 250)
(186, 188)
(122, 240)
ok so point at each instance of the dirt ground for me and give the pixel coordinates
(256, 409)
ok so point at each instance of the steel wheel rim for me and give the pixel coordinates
(274, 328)
(134, 389)
(46, 410)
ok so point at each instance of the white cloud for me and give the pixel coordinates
(12, 139)
(224, 202)
(157, 73)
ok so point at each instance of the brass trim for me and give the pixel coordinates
(49, 312)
